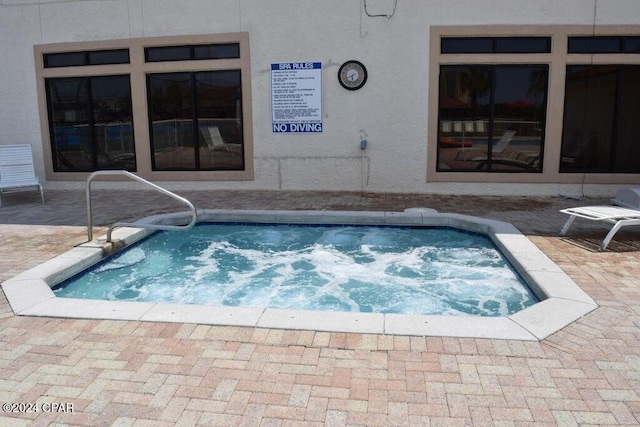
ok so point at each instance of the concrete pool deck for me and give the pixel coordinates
(161, 373)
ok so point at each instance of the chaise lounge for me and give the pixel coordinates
(622, 215)
(16, 170)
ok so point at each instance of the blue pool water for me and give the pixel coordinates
(334, 268)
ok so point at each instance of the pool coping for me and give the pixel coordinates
(562, 300)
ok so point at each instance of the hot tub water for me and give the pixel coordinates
(329, 268)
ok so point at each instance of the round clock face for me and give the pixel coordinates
(352, 75)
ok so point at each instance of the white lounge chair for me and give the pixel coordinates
(16, 170)
(616, 215)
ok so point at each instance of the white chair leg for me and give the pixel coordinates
(610, 235)
(567, 225)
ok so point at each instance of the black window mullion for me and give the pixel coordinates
(613, 148)
(92, 136)
(194, 109)
(491, 127)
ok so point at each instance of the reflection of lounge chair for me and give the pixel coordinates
(468, 127)
(619, 216)
(16, 170)
(577, 152)
(531, 164)
(213, 138)
(450, 141)
(496, 150)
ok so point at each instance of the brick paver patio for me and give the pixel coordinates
(135, 373)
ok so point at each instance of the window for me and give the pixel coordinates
(495, 45)
(600, 119)
(196, 120)
(192, 52)
(94, 57)
(604, 44)
(491, 117)
(168, 108)
(513, 98)
(90, 123)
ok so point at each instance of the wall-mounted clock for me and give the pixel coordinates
(352, 75)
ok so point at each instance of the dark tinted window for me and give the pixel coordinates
(492, 118)
(523, 45)
(600, 126)
(93, 57)
(169, 53)
(192, 52)
(104, 57)
(70, 59)
(604, 44)
(594, 44)
(631, 44)
(90, 123)
(216, 51)
(467, 45)
(495, 44)
(196, 120)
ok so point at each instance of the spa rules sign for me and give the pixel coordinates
(296, 97)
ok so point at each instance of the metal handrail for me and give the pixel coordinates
(194, 216)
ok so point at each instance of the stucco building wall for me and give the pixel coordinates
(394, 109)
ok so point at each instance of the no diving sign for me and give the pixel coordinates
(296, 97)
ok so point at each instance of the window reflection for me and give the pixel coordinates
(495, 45)
(196, 120)
(491, 118)
(599, 131)
(90, 120)
(192, 52)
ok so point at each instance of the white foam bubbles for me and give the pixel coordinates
(370, 269)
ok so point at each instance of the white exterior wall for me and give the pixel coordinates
(392, 107)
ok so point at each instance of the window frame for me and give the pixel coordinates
(138, 69)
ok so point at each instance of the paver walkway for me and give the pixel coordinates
(135, 373)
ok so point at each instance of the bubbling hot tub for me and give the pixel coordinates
(561, 301)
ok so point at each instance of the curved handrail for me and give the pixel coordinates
(194, 216)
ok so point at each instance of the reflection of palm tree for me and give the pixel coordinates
(476, 82)
(537, 86)
(537, 81)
